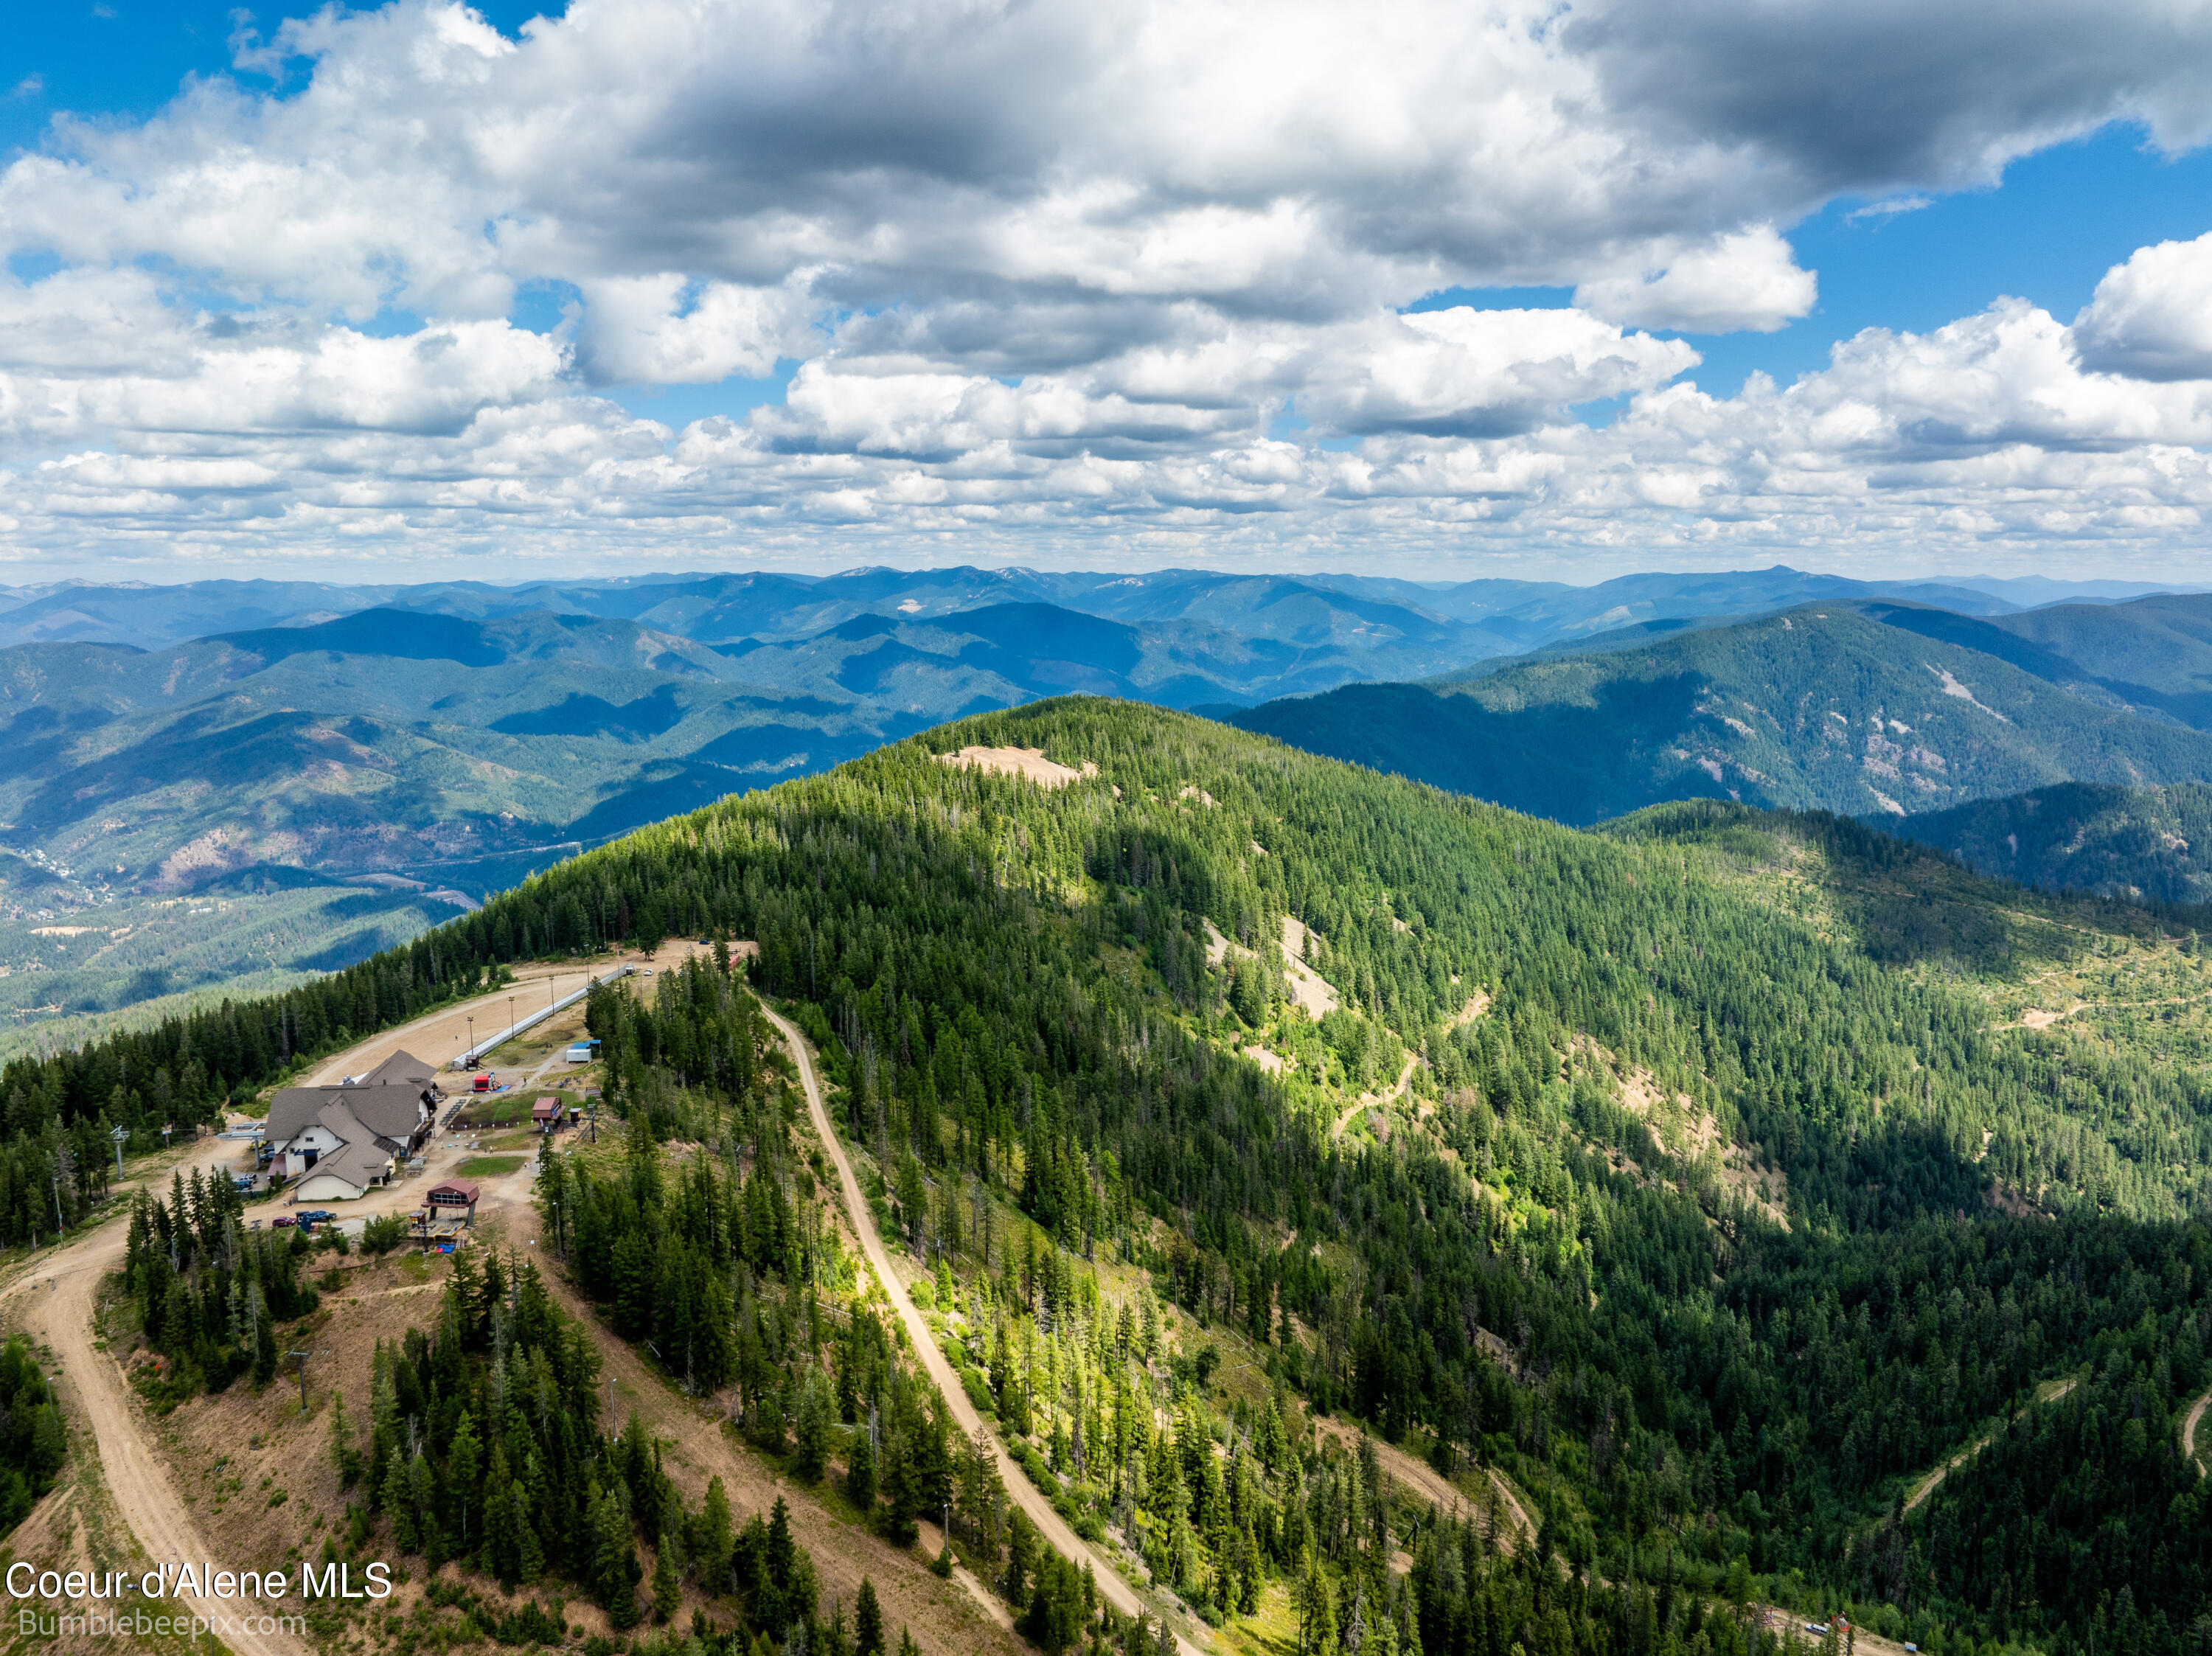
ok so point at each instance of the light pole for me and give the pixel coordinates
(472, 1043)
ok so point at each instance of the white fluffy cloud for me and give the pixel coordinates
(2152, 316)
(1129, 279)
(1749, 278)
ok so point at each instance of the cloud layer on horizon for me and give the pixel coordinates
(1125, 282)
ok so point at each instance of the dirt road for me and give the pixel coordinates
(442, 1035)
(2048, 1391)
(1024, 1493)
(56, 1302)
(1423, 1479)
(1376, 1100)
(2189, 1431)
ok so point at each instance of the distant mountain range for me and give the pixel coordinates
(266, 737)
(1869, 708)
(195, 730)
(1368, 615)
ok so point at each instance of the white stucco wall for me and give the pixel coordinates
(320, 1186)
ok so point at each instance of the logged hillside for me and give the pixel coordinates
(2148, 844)
(1815, 708)
(1731, 1187)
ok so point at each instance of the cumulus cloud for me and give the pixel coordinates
(1467, 372)
(1129, 275)
(1888, 93)
(666, 330)
(1747, 278)
(2152, 316)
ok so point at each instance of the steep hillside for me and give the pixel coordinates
(1710, 1179)
(2150, 845)
(2153, 653)
(1821, 708)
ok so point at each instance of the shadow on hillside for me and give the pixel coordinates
(1578, 763)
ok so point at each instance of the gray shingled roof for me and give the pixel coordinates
(361, 1160)
(390, 1112)
(400, 1067)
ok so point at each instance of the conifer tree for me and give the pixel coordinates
(667, 1587)
(530, 1552)
(868, 1622)
(463, 1460)
(860, 1473)
(345, 1453)
(711, 1539)
(501, 1549)
(813, 1451)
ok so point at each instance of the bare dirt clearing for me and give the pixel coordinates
(1424, 1480)
(1017, 761)
(1308, 988)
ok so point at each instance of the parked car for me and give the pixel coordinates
(283, 1222)
(316, 1215)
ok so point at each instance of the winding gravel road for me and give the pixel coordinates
(58, 1297)
(1024, 1493)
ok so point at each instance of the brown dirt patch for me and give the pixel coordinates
(1015, 761)
(1308, 988)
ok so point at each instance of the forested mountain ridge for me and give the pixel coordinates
(1821, 708)
(2148, 844)
(460, 735)
(2152, 653)
(1635, 1045)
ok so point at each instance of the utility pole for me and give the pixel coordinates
(303, 1356)
(65, 1167)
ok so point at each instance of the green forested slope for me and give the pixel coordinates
(2153, 653)
(1821, 708)
(1724, 1205)
(2152, 844)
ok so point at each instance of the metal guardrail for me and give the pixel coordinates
(474, 1055)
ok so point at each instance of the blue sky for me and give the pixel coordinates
(1010, 291)
(2061, 218)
